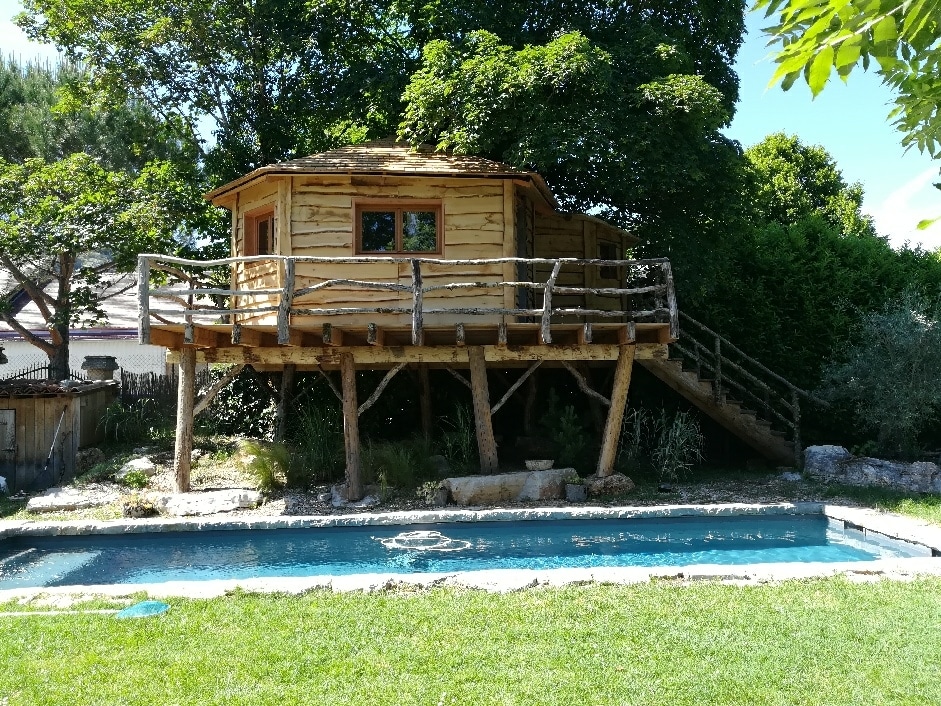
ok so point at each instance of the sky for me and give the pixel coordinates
(849, 120)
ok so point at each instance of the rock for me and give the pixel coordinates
(440, 464)
(338, 498)
(820, 459)
(442, 496)
(62, 499)
(136, 506)
(86, 459)
(142, 465)
(615, 484)
(791, 476)
(508, 487)
(143, 451)
(205, 503)
(4, 488)
(836, 464)
(576, 493)
(325, 497)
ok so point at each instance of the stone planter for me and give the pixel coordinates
(100, 367)
(576, 493)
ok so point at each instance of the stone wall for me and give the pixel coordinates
(834, 464)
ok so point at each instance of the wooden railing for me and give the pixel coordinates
(647, 293)
(733, 372)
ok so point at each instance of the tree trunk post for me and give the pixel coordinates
(284, 400)
(612, 427)
(424, 399)
(480, 391)
(182, 455)
(354, 480)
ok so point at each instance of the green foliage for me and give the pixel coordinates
(403, 465)
(245, 407)
(458, 442)
(677, 445)
(136, 479)
(567, 433)
(900, 39)
(268, 463)
(317, 437)
(634, 440)
(141, 420)
(892, 376)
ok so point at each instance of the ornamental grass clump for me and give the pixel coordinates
(268, 463)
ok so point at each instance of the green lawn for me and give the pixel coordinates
(815, 642)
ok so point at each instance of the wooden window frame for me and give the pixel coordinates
(250, 231)
(399, 206)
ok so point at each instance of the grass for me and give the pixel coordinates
(813, 642)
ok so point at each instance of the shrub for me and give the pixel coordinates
(244, 407)
(317, 435)
(398, 464)
(458, 442)
(634, 441)
(892, 378)
(141, 420)
(135, 479)
(677, 447)
(564, 428)
(266, 462)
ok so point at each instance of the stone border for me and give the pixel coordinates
(501, 580)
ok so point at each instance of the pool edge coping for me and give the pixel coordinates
(498, 580)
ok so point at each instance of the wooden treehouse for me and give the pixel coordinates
(376, 257)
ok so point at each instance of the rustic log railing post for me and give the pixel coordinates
(612, 427)
(483, 423)
(546, 332)
(143, 300)
(418, 333)
(287, 300)
(671, 300)
(354, 479)
(183, 450)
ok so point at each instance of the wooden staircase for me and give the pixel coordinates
(756, 404)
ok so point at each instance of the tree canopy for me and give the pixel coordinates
(73, 223)
(902, 39)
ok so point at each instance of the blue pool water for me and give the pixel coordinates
(403, 549)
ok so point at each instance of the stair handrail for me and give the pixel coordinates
(775, 405)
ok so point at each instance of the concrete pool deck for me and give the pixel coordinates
(875, 522)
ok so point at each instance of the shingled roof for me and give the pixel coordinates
(392, 158)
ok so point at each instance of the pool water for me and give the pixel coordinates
(465, 546)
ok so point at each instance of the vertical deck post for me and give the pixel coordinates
(182, 454)
(545, 330)
(354, 479)
(612, 427)
(284, 306)
(284, 399)
(418, 332)
(480, 391)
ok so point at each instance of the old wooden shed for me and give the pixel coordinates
(43, 424)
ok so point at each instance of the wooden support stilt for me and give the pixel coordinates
(424, 400)
(284, 399)
(612, 427)
(480, 391)
(182, 454)
(354, 479)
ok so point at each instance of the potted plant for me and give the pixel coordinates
(575, 489)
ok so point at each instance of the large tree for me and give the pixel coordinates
(67, 228)
(900, 40)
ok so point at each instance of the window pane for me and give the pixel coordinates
(264, 236)
(419, 231)
(378, 229)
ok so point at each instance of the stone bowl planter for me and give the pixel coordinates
(539, 464)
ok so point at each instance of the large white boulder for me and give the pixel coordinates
(837, 465)
(142, 465)
(508, 487)
(63, 499)
(205, 503)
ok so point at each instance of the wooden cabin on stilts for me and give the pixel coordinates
(378, 257)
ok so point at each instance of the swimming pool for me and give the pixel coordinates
(595, 541)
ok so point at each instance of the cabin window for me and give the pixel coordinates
(608, 251)
(398, 228)
(259, 233)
